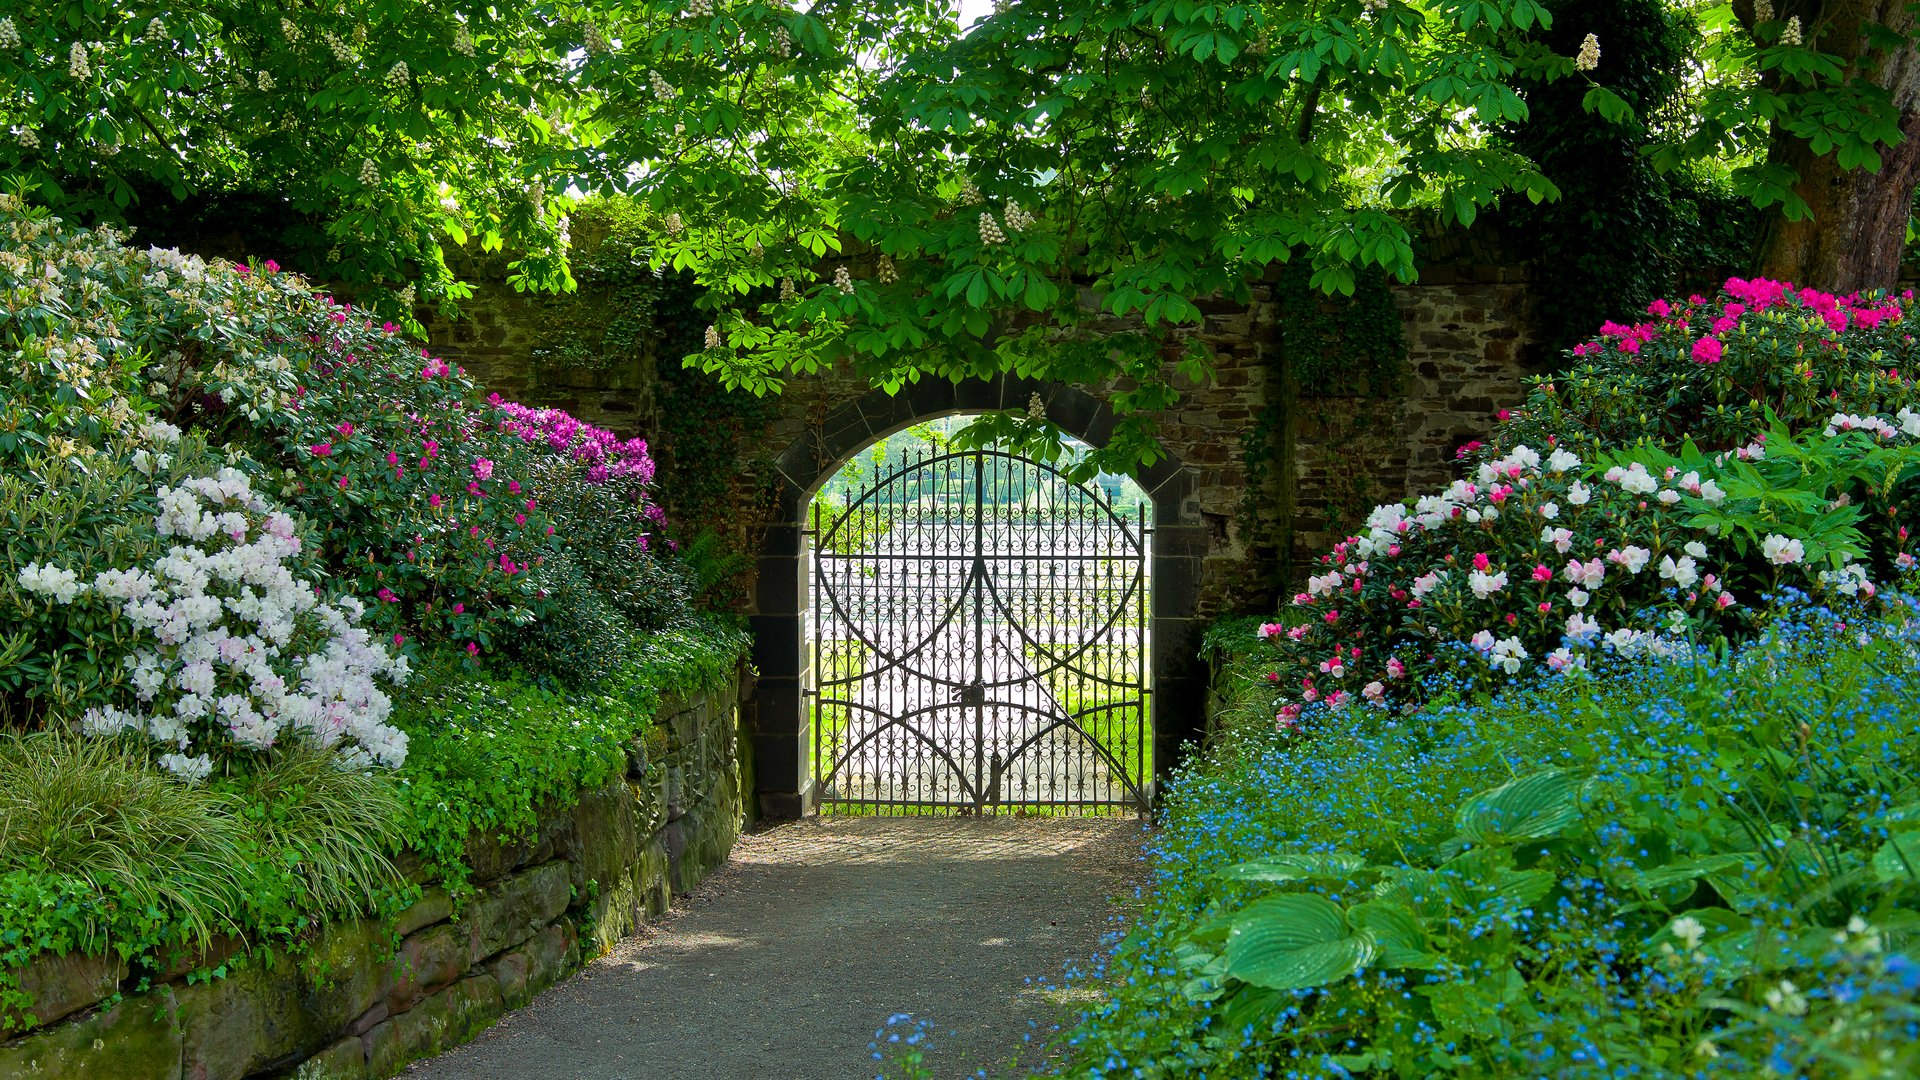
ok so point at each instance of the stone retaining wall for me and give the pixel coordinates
(372, 995)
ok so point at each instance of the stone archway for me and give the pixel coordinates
(778, 725)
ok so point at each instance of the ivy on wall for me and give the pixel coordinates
(1621, 233)
(1350, 347)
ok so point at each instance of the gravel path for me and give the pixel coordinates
(783, 964)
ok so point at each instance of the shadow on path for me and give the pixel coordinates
(785, 962)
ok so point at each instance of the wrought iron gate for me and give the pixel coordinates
(978, 639)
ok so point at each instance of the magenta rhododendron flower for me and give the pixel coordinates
(483, 469)
(321, 449)
(1707, 350)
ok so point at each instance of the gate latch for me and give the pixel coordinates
(973, 694)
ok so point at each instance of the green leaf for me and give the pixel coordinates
(1899, 858)
(1297, 866)
(1399, 939)
(1531, 807)
(1294, 942)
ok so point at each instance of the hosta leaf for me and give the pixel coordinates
(1297, 866)
(1294, 942)
(1899, 858)
(1689, 869)
(1531, 807)
(1399, 939)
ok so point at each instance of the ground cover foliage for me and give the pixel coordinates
(1696, 865)
(1599, 762)
(237, 518)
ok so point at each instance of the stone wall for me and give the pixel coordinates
(1258, 483)
(1466, 331)
(371, 995)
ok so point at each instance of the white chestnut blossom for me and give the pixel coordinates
(1588, 57)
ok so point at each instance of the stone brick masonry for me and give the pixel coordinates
(1466, 332)
(372, 995)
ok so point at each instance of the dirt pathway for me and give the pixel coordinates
(785, 962)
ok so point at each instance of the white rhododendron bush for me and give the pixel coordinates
(230, 648)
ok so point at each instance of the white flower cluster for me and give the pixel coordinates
(1792, 34)
(591, 39)
(156, 28)
(27, 137)
(662, 89)
(970, 193)
(782, 42)
(1373, 5)
(231, 647)
(885, 271)
(50, 581)
(1762, 11)
(369, 173)
(289, 30)
(463, 40)
(788, 294)
(713, 336)
(673, 224)
(341, 50)
(77, 61)
(843, 280)
(265, 79)
(1904, 422)
(398, 75)
(1850, 580)
(9, 35)
(990, 230)
(1017, 219)
(700, 9)
(1588, 57)
(1782, 551)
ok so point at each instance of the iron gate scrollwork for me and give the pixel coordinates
(978, 640)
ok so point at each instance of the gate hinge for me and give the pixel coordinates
(973, 694)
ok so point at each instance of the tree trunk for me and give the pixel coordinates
(1859, 226)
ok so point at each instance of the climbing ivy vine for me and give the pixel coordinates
(1324, 346)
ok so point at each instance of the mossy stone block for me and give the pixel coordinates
(135, 1040)
(63, 985)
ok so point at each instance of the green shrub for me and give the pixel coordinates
(1695, 464)
(1700, 865)
(491, 752)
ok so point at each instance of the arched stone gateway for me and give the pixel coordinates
(783, 744)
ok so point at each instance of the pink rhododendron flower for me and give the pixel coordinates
(321, 449)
